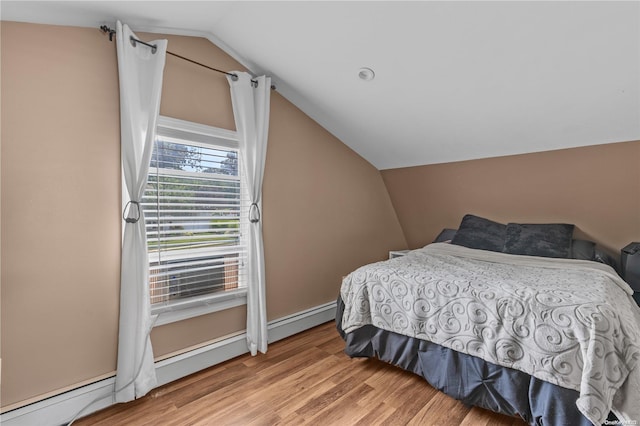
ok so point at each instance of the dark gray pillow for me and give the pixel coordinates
(446, 234)
(537, 239)
(604, 257)
(583, 250)
(480, 233)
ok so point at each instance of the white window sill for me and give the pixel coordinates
(183, 309)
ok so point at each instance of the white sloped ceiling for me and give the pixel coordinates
(454, 80)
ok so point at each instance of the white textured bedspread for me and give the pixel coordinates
(569, 322)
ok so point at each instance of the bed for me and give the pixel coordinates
(506, 318)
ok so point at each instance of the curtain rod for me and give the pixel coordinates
(153, 47)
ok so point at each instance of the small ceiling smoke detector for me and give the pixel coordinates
(366, 74)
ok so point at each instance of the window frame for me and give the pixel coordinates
(181, 309)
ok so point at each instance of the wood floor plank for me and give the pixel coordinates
(407, 405)
(413, 385)
(365, 367)
(292, 420)
(227, 377)
(305, 379)
(296, 384)
(385, 379)
(294, 403)
(341, 411)
(293, 364)
(320, 402)
(440, 410)
(332, 346)
(377, 415)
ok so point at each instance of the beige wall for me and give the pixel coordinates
(326, 210)
(596, 188)
(60, 177)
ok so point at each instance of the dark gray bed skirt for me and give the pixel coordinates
(467, 378)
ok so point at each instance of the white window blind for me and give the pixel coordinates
(193, 207)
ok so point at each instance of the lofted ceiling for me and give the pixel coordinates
(453, 80)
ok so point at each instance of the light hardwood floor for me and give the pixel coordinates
(304, 379)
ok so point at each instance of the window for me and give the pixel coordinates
(193, 207)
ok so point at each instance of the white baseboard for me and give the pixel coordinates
(59, 410)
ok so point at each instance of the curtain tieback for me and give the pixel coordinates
(126, 217)
(254, 213)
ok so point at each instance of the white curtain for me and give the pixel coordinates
(251, 113)
(140, 71)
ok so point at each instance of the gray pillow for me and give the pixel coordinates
(446, 234)
(480, 233)
(583, 250)
(604, 257)
(534, 239)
